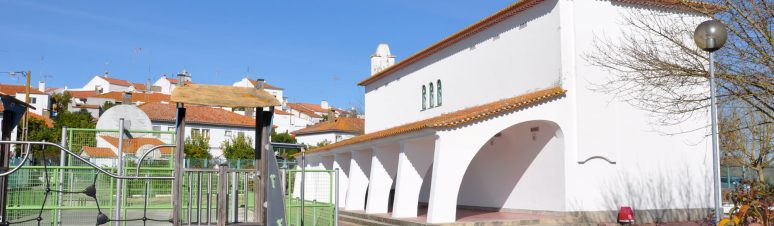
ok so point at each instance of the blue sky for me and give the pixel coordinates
(316, 50)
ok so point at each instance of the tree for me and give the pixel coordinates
(60, 101)
(657, 66)
(239, 147)
(747, 139)
(105, 106)
(197, 146)
(284, 137)
(39, 131)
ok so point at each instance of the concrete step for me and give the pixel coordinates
(362, 221)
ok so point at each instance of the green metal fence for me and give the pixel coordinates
(28, 189)
(319, 197)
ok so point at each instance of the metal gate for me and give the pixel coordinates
(319, 190)
(214, 194)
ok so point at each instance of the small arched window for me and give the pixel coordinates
(438, 83)
(432, 95)
(424, 98)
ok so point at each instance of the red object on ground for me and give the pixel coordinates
(626, 215)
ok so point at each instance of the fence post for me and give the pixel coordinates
(222, 213)
(62, 161)
(177, 196)
(336, 201)
(120, 172)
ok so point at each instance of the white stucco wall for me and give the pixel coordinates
(314, 138)
(652, 170)
(102, 83)
(42, 102)
(518, 55)
(166, 86)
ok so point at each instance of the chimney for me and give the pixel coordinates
(381, 59)
(331, 115)
(285, 103)
(259, 83)
(181, 77)
(324, 105)
(127, 98)
(42, 86)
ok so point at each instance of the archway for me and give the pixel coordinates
(519, 168)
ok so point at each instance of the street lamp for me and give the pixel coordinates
(710, 36)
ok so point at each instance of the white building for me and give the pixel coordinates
(105, 84)
(273, 90)
(166, 85)
(331, 131)
(216, 123)
(501, 116)
(39, 100)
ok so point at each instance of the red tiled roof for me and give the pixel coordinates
(456, 118)
(49, 123)
(82, 94)
(116, 81)
(174, 81)
(96, 152)
(515, 9)
(281, 112)
(87, 106)
(132, 145)
(265, 85)
(141, 97)
(140, 86)
(14, 89)
(301, 108)
(344, 124)
(197, 114)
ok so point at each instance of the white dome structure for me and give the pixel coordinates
(134, 119)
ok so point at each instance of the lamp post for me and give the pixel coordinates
(710, 36)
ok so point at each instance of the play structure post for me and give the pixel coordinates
(179, 157)
(62, 162)
(5, 149)
(262, 135)
(119, 172)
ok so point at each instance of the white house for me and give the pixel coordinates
(273, 90)
(105, 84)
(216, 123)
(39, 100)
(502, 116)
(332, 131)
(166, 85)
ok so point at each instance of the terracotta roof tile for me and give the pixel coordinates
(514, 9)
(14, 89)
(82, 94)
(265, 85)
(344, 124)
(87, 106)
(456, 118)
(132, 145)
(281, 112)
(49, 123)
(141, 97)
(96, 152)
(116, 81)
(174, 81)
(304, 110)
(140, 86)
(197, 114)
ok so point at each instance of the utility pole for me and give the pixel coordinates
(25, 130)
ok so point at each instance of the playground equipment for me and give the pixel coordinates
(269, 195)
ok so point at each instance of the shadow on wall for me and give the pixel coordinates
(520, 167)
(669, 195)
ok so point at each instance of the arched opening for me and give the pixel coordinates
(519, 168)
